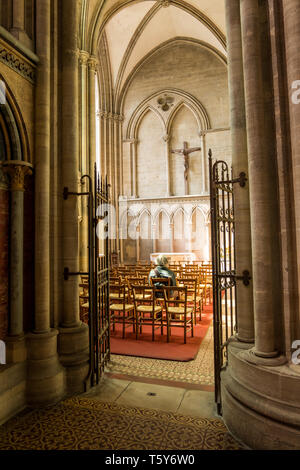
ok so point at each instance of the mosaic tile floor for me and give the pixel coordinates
(86, 424)
(199, 371)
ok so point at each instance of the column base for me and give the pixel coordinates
(74, 356)
(16, 350)
(253, 357)
(46, 377)
(245, 340)
(260, 405)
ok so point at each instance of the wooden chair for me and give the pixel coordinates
(121, 311)
(206, 283)
(138, 281)
(146, 309)
(194, 297)
(178, 314)
(84, 302)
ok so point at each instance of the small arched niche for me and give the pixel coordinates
(184, 128)
(151, 173)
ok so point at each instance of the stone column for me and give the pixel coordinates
(240, 164)
(92, 67)
(45, 383)
(167, 139)
(73, 338)
(203, 163)
(262, 177)
(291, 18)
(154, 244)
(84, 163)
(171, 235)
(16, 350)
(133, 153)
(188, 235)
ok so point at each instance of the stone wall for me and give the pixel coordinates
(4, 237)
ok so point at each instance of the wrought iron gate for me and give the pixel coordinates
(99, 320)
(98, 274)
(223, 262)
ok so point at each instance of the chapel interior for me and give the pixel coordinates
(112, 116)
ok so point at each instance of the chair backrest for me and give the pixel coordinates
(191, 284)
(143, 294)
(177, 299)
(115, 280)
(160, 281)
(121, 293)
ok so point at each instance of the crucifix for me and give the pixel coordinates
(186, 153)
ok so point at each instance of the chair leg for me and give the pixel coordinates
(136, 326)
(152, 327)
(123, 333)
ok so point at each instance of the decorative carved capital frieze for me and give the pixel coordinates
(110, 116)
(17, 170)
(93, 63)
(17, 62)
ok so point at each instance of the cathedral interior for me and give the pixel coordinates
(114, 117)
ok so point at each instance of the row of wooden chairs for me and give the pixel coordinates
(157, 307)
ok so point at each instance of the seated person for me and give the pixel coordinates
(162, 270)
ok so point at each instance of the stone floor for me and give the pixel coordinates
(188, 402)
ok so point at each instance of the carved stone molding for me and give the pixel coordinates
(17, 171)
(16, 62)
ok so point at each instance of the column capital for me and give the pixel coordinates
(17, 170)
(167, 137)
(83, 57)
(165, 3)
(93, 63)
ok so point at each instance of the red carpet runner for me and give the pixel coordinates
(175, 350)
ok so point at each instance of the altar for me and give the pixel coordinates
(174, 257)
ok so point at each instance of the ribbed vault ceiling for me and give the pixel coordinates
(138, 28)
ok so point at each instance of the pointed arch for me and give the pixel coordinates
(137, 117)
(13, 126)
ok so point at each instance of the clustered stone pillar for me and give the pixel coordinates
(262, 178)
(15, 341)
(45, 382)
(240, 164)
(73, 338)
(291, 17)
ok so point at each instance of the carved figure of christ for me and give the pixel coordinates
(186, 153)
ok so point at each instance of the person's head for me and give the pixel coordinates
(162, 261)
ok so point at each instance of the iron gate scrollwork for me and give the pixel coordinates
(223, 263)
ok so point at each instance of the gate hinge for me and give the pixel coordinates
(67, 193)
(246, 278)
(241, 180)
(67, 273)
